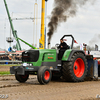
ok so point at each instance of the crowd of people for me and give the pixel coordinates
(4, 57)
(11, 57)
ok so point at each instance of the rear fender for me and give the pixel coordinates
(69, 53)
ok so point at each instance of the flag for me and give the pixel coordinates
(81, 46)
(75, 41)
(64, 39)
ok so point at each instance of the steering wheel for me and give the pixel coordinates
(57, 45)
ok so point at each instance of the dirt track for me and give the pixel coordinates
(4, 68)
(58, 90)
(55, 90)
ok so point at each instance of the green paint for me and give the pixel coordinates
(26, 43)
(43, 56)
(49, 55)
(14, 32)
(66, 55)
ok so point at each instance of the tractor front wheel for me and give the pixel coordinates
(44, 75)
(22, 78)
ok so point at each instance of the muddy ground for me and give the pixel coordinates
(4, 68)
(55, 90)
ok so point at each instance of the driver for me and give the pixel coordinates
(63, 47)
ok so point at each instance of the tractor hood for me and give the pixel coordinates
(38, 56)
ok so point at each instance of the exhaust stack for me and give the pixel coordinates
(85, 47)
(48, 45)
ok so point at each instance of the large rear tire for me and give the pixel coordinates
(22, 78)
(76, 69)
(44, 75)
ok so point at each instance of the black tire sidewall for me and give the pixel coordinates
(41, 73)
(20, 78)
(24, 79)
(85, 70)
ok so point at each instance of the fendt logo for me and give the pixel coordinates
(40, 45)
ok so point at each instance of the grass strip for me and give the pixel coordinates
(10, 64)
(5, 73)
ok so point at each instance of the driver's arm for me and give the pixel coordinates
(59, 46)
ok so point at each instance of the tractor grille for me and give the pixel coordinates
(30, 56)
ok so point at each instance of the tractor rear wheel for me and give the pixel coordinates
(44, 75)
(76, 69)
(22, 78)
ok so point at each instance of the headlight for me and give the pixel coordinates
(30, 64)
(25, 64)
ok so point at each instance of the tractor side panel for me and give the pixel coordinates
(49, 57)
(45, 55)
(66, 55)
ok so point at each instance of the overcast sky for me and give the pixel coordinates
(85, 26)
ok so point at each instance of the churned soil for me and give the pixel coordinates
(55, 90)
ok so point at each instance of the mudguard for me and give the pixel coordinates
(68, 54)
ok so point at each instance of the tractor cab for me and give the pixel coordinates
(59, 47)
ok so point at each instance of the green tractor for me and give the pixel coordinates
(45, 64)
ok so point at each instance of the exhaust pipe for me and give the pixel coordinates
(48, 45)
(85, 45)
